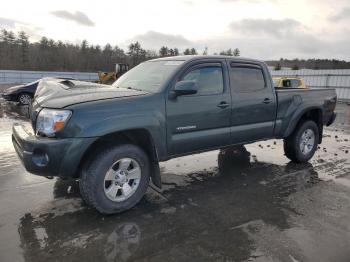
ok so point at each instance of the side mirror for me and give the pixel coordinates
(186, 87)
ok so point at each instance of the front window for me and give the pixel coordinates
(149, 76)
(209, 79)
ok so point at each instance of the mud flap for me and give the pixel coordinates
(155, 174)
(331, 119)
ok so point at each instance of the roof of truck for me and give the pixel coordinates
(197, 57)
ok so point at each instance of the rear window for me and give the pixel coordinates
(247, 79)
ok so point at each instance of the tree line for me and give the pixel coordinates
(18, 53)
(316, 64)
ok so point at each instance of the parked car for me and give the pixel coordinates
(112, 138)
(287, 82)
(22, 94)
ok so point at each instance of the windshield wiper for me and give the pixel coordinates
(132, 88)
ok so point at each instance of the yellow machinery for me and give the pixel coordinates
(108, 78)
(288, 82)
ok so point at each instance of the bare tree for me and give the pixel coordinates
(205, 52)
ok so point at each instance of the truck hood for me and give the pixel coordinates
(58, 93)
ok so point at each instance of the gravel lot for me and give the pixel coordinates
(241, 204)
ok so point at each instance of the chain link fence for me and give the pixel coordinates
(338, 79)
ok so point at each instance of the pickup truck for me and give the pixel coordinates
(112, 138)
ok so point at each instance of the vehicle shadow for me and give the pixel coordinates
(200, 220)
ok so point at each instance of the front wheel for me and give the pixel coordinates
(116, 179)
(24, 99)
(301, 145)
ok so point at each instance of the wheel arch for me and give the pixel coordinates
(138, 137)
(314, 113)
(23, 92)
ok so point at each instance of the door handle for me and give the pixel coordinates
(267, 101)
(223, 104)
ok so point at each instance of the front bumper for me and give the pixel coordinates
(49, 156)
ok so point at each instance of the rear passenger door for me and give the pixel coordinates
(253, 103)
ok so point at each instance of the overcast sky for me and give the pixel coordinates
(263, 29)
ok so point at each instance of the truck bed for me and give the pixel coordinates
(291, 101)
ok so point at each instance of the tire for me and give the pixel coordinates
(24, 99)
(302, 138)
(104, 180)
(83, 188)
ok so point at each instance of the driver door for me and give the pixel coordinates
(200, 121)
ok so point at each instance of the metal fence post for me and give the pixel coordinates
(327, 80)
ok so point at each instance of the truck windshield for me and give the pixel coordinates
(148, 76)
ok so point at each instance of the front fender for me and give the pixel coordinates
(152, 124)
(101, 118)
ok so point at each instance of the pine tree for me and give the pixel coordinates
(187, 51)
(136, 53)
(278, 67)
(295, 67)
(236, 52)
(163, 51)
(24, 48)
(205, 52)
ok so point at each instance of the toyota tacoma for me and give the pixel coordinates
(112, 138)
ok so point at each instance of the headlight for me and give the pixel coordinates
(49, 121)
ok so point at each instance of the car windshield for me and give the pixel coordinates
(148, 76)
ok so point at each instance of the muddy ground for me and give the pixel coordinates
(241, 204)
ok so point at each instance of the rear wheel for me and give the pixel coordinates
(301, 145)
(24, 99)
(116, 179)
